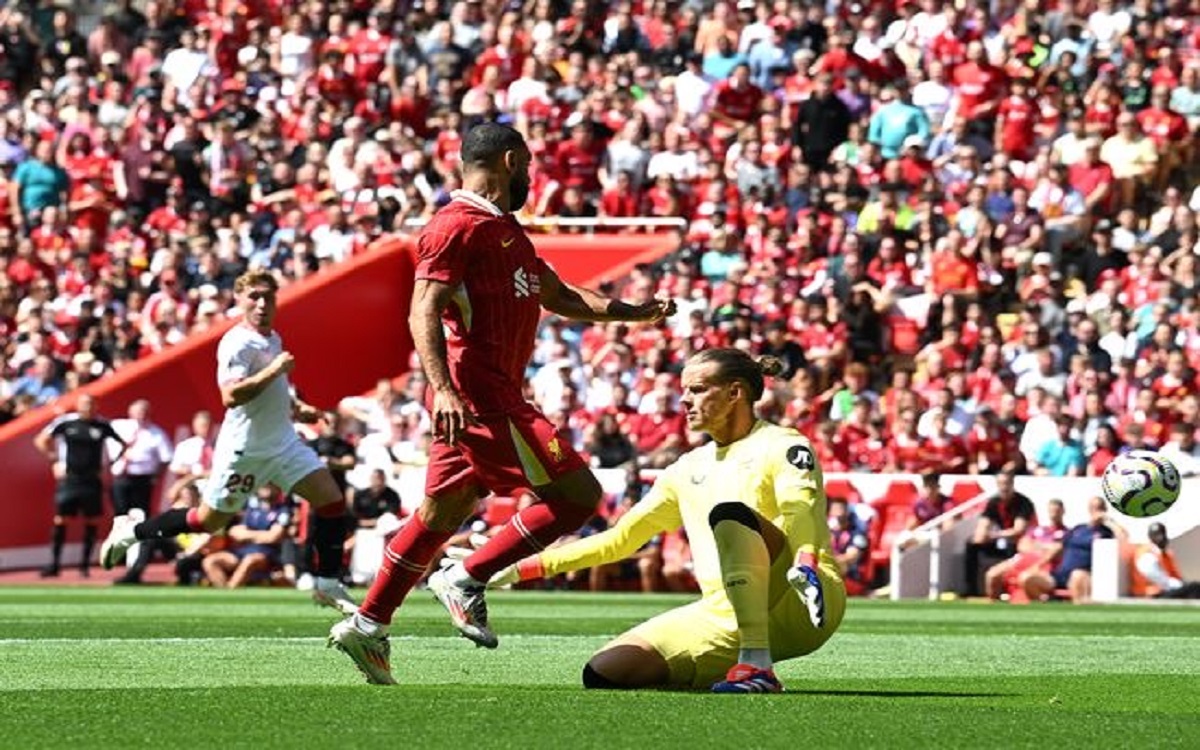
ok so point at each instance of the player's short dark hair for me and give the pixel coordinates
(488, 141)
(735, 364)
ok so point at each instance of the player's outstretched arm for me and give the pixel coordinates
(577, 303)
(238, 392)
(657, 512)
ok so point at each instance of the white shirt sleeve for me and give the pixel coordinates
(234, 360)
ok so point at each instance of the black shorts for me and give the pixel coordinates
(75, 497)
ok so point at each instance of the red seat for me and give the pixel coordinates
(965, 490)
(901, 491)
(891, 521)
(892, 513)
(842, 489)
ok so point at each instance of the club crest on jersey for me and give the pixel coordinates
(554, 448)
(801, 457)
(526, 284)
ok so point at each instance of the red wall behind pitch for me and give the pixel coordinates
(347, 328)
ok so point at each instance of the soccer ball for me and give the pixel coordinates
(1140, 483)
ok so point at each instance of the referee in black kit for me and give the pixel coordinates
(74, 443)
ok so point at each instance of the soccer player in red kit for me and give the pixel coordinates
(479, 276)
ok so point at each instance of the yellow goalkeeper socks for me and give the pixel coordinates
(745, 570)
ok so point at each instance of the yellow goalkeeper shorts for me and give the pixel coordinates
(699, 641)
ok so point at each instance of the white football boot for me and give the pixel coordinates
(467, 608)
(329, 592)
(371, 654)
(120, 539)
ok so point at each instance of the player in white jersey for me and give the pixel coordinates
(257, 445)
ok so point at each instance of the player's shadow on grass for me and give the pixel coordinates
(895, 693)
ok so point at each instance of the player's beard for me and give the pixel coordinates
(518, 193)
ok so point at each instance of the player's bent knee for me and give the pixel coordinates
(593, 680)
(736, 512)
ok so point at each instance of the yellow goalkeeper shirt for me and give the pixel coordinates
(772, 470)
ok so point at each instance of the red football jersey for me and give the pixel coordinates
(492, 322)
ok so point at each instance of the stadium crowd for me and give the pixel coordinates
(969, 229)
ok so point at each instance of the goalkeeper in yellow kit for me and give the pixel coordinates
(752, 501)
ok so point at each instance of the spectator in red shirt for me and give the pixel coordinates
(1016, 117)
(578, 160)
(659, 436)
(622, 200)
(979, 86)
(736, 102)
(1170, 133)
(1093, 179)
(955, 269)
(944, 452)
(905, 449)
(991, 447)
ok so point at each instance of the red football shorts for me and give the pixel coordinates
(506, 453)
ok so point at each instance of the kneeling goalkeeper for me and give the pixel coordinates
(752, 501)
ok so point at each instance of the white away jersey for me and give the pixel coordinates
(263, 425)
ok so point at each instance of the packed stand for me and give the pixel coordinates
(968, 229)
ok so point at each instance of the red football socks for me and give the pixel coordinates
(405, 561)
(527, 532)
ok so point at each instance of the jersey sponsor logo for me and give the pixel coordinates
(801, 457)
(698, 478)
(508, 241)
(526, 284)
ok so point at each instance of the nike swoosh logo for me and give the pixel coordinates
(509, 241)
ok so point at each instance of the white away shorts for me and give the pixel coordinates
(235, 477)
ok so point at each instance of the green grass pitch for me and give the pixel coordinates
(164, 667)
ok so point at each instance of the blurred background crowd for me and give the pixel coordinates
(968, 228)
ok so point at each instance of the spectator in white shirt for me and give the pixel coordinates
(192, 460)
(147, 453)
(1182, 449)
